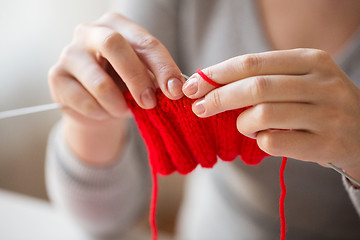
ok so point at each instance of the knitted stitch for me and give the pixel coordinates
(178, 140)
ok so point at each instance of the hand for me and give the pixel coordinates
(80, 79)
(104, 58)
(303, 105)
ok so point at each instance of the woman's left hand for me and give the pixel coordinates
(303, 105)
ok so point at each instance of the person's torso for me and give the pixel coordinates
(234, 201)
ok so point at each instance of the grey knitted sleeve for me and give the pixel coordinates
(102, 201)
(110, 200)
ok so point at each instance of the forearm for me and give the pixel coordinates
(102, 200)
(96, 143)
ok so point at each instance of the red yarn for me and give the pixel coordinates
(206, 78)
(153, 205)
(282, 200)
(178, 140)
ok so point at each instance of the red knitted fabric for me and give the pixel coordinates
(178, 140)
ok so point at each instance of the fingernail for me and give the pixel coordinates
(190, 86)
(199, 107)
(174, 86)
(148, 98)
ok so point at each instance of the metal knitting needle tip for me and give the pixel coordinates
(185, 76)
(29, 110)
(342, 172)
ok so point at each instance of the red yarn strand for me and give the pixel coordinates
(206, 78)
(282, 200)
(165, 162)
(153, 205)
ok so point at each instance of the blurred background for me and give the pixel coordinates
(32, 35)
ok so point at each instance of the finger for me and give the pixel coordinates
(151, 52)
(285, 62)
(97, 82)
(196, 87)
(255, 90)
(292, 144)
(289, 116)
(114, 47)
(70, 93)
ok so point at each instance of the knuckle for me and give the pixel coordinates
(112, 41)
(267, 142)
(337, 86)
(264, 113)
(88, 107)
(337, 118)
(210, 73)
(100, 85)
(137, 79)
(259, 87)
(319, 57)
(250, 63)
(54, 81)
(165, 68)
(81, 29)
(146, 41)
(240, 125)
(216, 99)
(67, 54)
(53, 73)
(109, 17)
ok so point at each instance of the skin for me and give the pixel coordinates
(301, 91)
(304, 106)
(105, 58)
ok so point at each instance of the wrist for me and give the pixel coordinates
(96, 143)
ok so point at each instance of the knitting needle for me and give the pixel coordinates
(52, 106)
(38, 108)
(342, 172)
(29, 110)
(185, 76)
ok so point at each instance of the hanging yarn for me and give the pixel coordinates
(178, 140)
(282, 200)
(153, 204)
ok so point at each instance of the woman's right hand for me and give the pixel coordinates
(105, 58)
